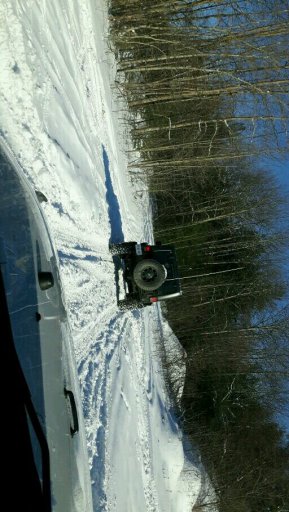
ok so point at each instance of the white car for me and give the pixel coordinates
(44, 453)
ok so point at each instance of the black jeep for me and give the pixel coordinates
(150, 273)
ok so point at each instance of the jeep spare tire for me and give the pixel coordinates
(149, 275)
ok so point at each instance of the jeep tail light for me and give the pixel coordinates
(153, 299)
(147, 248)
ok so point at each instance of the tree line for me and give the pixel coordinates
(206, 84)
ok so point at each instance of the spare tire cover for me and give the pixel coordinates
(149, 274)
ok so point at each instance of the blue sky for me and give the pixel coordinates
(280, 169)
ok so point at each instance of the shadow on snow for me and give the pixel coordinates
(116, 232)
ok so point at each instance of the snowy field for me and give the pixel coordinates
(61, 120)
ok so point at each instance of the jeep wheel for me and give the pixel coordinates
(149, 275)
(121, 249)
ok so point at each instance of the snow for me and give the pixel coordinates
(60, 117)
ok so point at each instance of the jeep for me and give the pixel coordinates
(150, 273)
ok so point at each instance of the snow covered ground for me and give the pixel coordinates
(60, 118)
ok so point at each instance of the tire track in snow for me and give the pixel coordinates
(95, 376)
(133, 348)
